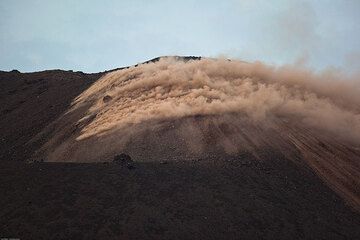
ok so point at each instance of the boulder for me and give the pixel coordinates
(122, 159)
(107, 98)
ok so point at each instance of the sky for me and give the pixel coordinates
(92, 36)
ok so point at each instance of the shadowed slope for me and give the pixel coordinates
(239, 198)
(31, 101)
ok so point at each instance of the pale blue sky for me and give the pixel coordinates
(94, 36)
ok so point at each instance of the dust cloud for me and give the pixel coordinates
(173, 89)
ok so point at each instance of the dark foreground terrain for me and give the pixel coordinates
(237, 199)
(218, 197)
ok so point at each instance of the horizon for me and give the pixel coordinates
(93, 36)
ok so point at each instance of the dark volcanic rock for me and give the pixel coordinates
(107, 98)
(122, 159)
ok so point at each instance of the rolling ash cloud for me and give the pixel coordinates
(171, 89)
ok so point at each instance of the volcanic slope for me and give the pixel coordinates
(171, 109)
(227, 127)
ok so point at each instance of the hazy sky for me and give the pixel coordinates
(98, 35)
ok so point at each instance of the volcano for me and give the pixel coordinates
(219, 148)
